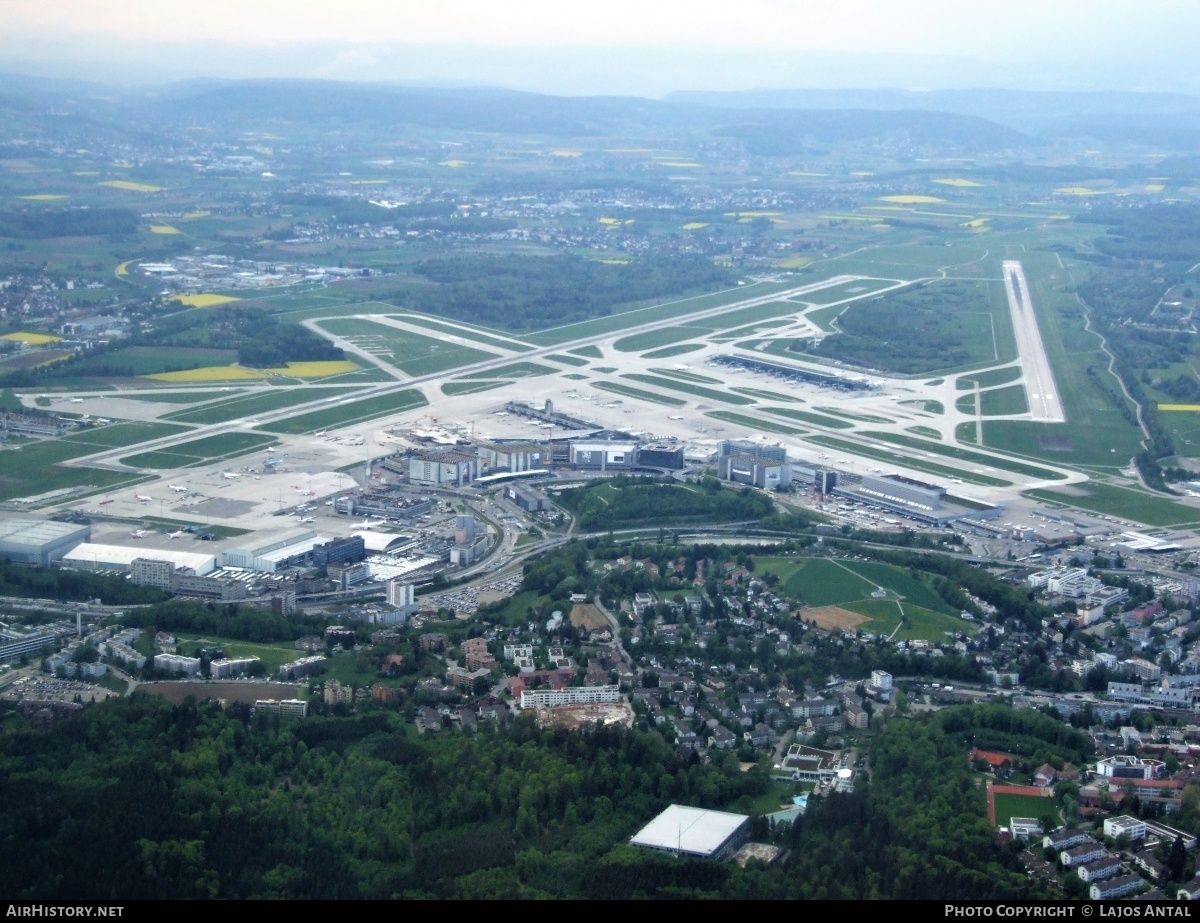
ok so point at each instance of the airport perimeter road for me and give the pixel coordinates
(1044, 404)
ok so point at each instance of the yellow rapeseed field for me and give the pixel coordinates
(1183, 408)
(566, 153)
(1078, 190)
(240, 373)
(1154, 187)
(610, 221)
(977, 223)
(955, 181)
(50, 197)
(913, 199)
(163, 229)
(615, 262)
(130, 187)
(123, 269)
(204, 300)
(695, 225)
(804, 173)
(31, 339)
(210, 373)
(454, 164)
(685, 164)
(87, 173)
(192, 216)
(317, 369)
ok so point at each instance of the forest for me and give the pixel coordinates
(625, 501)
(532, 292)
(72, 586)
(136, 798)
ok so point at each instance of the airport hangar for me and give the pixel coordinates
(694, 832)
(39, 541)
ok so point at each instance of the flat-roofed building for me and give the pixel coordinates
(39, 541)
(443, 467)
(271, 553)
(97, 557)
(514, 457)
(695, 832)
(177, 663)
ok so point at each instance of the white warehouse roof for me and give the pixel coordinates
(91, 556)
(694, 831)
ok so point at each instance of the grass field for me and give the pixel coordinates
(1123, 503)
(151, 360)
(755, 423)
(451, 388)
(664, 336)
(1000, 402)
(119, 434)
(567, 360)
(182, 397)
(33, 469)
(688, 388)
(412, 353)
(589, 352)
(907, 461)
(768, 395)
(273, 656)
(859, 288)
(252, 404)
(349, 412)
(516, 370)
(623, 320)
(989, 378)
(816, 419)
(687, 376)
(849, 585)
(678, 349)
(1010, 806)
(200, 451)
(130, 186)
(494, 340)
(966, 455)
(641, 395)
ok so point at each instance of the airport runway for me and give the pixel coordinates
(1044, 403)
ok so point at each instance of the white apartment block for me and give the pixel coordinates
(576, 695)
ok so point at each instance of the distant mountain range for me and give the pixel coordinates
(768, 122)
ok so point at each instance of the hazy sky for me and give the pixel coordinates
(645, 46)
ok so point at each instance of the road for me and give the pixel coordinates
(1044, 403)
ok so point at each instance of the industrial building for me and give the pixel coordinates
(661, 455)
(96, 557)
(39, 541)
(756, 472)
(694, 832)
(275, 552)
(443, 468)
(604, 455)
(495, 457)
(348, 550)
(14, 645)
(925, 502)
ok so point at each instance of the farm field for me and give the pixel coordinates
(347, 413)
(412, 353)
(252, 404)
(200, 451)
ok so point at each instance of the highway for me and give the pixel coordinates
(1044, 403)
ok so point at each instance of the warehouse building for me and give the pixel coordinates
(95, 557)
(39, 541)
(603, 455)
(273, 553)
(694, 832)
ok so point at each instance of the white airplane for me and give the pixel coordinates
(76, 400)
(367, 524)
(175, 534)
(675, 418)
(307, 519)
(303, 491)
(138, 533)
(320, 432)
(143, 498)
(177, 488)
(230, 475)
